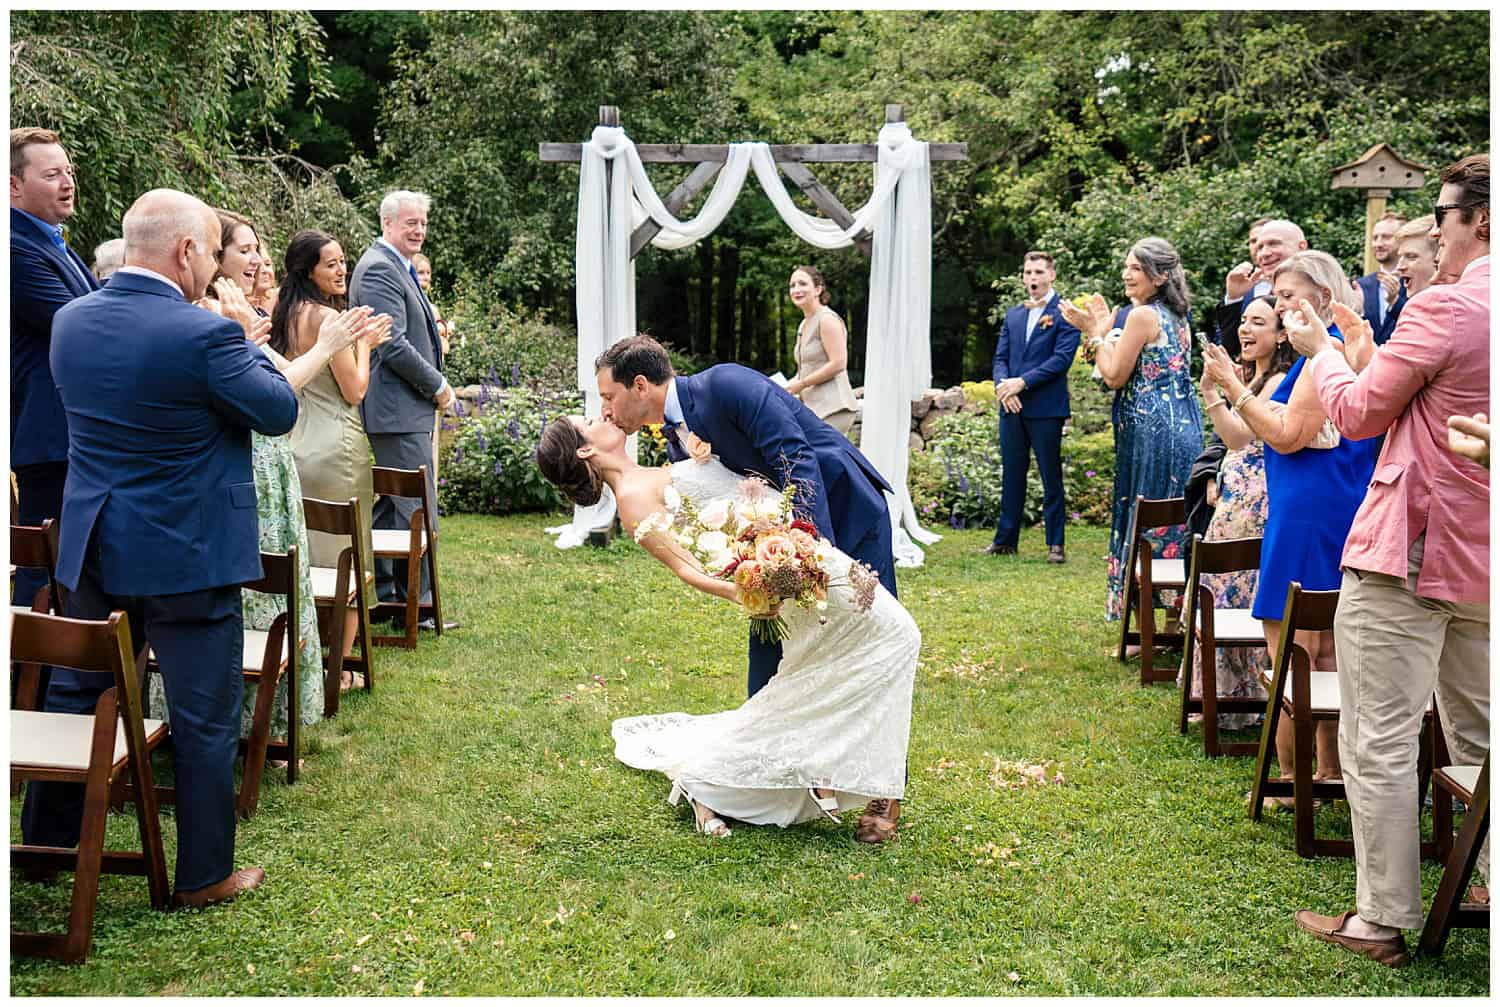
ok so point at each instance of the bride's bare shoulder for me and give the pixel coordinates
(642, 496)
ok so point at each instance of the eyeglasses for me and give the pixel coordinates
(1440, 210)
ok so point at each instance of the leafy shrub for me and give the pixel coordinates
(509, 345)
(490, 466)
(979, 392)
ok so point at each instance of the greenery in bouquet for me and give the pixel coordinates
(489, 466)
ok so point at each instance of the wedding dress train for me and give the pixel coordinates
(836, 715)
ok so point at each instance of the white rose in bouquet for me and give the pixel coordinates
(713, 542)
(673, 499)
(715, 515)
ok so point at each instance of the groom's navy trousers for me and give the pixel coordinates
(874, 550)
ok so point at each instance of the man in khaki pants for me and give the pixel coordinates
(1413, 615)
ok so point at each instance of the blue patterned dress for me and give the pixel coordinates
(1158, 435)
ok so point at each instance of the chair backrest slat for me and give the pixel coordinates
(329, 516)
(278, 572)
(1227, 555)
(401, 482)
(34, 547)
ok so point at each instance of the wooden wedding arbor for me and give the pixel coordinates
(791, 160)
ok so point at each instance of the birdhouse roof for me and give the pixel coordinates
(1390, 152)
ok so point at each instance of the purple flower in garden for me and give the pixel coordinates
(458, 454)
(442, 482)
(515, 373)
(494, 375)
(1089, 473)
(484, 392)
(1077, 515)
(499, 470)
(448, 426)
(963, 483)
(479, 440)
(458, 407)
(513, 428)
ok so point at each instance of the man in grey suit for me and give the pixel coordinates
(406, 378)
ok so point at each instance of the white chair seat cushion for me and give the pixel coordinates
(1237, 626)
(1165, 572)
(1466, 777)
(255, 648)
(61, 740)
(1324, 686)
(325, 580)
(396, 541)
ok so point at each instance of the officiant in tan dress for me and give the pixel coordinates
(822, 380)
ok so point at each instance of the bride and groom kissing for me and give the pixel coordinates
(826, 724)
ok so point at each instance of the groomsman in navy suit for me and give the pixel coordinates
(1032, 357)
(1384, 293)
(45, 274)
(159, 514)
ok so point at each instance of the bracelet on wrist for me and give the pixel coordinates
(1244, 397)
(1210, 403)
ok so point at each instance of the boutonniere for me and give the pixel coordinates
(1045, 322)
(698, 449)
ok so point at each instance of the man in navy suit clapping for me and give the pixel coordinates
(159, 515)
(1032, 358)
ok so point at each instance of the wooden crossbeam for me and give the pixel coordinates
(675, 201)
(825, 201)
(781, 153)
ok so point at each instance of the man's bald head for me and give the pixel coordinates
(174, 234)
(1278, 241)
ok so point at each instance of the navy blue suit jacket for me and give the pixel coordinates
(1042, 361)
(755, 426)
(161, 396)
(1369, 285)
(42, 279)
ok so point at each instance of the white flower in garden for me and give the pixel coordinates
(714, 515)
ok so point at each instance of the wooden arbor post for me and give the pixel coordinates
(709, 159)
(1377, 172)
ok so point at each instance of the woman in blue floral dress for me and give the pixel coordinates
(1159, 427)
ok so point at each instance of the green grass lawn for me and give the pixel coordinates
(466, 830)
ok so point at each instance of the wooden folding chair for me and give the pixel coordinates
(416, 545)
(94, 751)
(1314, 698)
(1146, 574)
(1208, 629)
(334, 590)
(1470, 784)
(269, 656)
(35, 548)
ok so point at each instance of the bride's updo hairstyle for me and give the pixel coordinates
(557, 457)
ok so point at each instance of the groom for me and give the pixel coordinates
(756, 427)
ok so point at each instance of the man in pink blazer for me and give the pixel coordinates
(1413, 614)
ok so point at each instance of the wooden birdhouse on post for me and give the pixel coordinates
(1378, 171)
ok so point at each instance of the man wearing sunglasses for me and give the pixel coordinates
(1413, 615)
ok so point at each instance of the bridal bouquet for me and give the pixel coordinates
(757, 542)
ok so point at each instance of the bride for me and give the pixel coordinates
(829, 732)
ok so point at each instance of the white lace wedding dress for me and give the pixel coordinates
(836, 715)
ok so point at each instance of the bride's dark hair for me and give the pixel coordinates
(557, 457)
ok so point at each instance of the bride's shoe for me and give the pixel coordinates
(712, 825)
(828, 805)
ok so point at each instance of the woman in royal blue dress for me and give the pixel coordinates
(1158, 425)
(1315, 481)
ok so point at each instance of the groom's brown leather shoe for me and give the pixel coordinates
(1387, 951)
(878, 823)
(242, 880)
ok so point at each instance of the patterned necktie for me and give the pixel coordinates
(675, 450)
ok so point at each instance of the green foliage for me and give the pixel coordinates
(184, 100)
(490, 467)
(506, 345)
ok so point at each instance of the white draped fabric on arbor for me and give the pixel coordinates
(898, 354)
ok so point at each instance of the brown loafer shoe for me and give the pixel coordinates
(1055, 554)
(239, 881)
(997, 550)
(1389, 951)
(878, 823)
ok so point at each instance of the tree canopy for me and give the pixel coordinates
(1086, 131)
